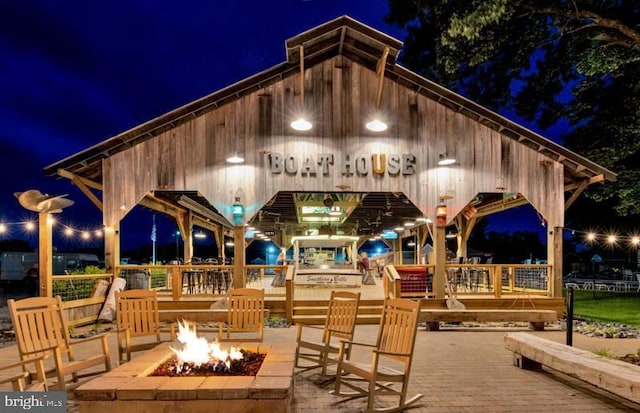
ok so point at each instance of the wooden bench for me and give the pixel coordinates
(614, 376)
(536, 318)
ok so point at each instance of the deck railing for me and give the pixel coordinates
(83, 299)
(469, 279)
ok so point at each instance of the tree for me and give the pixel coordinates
(545, 61)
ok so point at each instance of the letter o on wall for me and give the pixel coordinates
(362, 165)
(290, 165)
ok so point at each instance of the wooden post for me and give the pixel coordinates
(554, 258)
(112, 248)
(45, 249)
(176, 283)
(238, 257)
(440, 254)
(497, 281)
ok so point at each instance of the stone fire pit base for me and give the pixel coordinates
(128, 389)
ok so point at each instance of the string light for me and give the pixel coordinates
(612, 239)
(30, 226)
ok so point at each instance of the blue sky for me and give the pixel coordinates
(74, 73)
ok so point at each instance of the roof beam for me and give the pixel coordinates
(576, 193)
(593, 180)
(82, 184)
(203, 211)
(500, 206)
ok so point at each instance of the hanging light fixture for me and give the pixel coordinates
(376, 124)
(301, 124)
(235, 158)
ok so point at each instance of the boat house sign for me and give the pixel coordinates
(325, 163)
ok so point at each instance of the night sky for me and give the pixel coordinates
(74, 73)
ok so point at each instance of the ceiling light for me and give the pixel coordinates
(376, 125)
(409, 224)
(399, 229)
(301, 124)
(200, 235)
(445, 159)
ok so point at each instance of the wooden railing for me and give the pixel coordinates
(82, 294)
(475, 279)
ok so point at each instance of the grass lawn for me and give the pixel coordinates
(622, 308)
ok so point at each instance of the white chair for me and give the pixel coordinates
(638, 277)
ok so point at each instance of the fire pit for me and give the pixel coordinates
(131, 386)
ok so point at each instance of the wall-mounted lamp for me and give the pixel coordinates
(237, 209)
(445, 159)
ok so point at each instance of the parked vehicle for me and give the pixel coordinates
(23, 266)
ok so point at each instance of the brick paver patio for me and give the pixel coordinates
(465, 370)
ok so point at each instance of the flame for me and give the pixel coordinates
(198, 351)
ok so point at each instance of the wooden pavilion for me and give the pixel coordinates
(340, 75)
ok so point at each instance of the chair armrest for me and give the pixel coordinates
(356, 343)
(313, 326)
(391, 353)
(23, 363)
(19, 380)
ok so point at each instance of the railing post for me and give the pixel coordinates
(176, 283)
(497, 281)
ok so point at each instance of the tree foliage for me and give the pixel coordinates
(546, 61)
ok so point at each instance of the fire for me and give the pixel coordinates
(198, 351)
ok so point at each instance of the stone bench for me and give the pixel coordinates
(536, 318)
(614, 376)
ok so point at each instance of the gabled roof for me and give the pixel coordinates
(360, 43)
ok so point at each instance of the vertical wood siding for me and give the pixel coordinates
(340, 96)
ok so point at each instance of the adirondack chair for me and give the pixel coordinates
(41, 329)
(22, 381)
(394, 346)
(339, 324)
(245, 316)
(137, 317)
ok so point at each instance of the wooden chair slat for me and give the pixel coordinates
(41, 330)
(396, 341)
(339, 324)
(137, 316)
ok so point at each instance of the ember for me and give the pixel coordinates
(247, 366)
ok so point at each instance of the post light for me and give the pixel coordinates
(441, 215)
(237, 210)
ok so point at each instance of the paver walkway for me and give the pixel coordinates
(465, 370)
